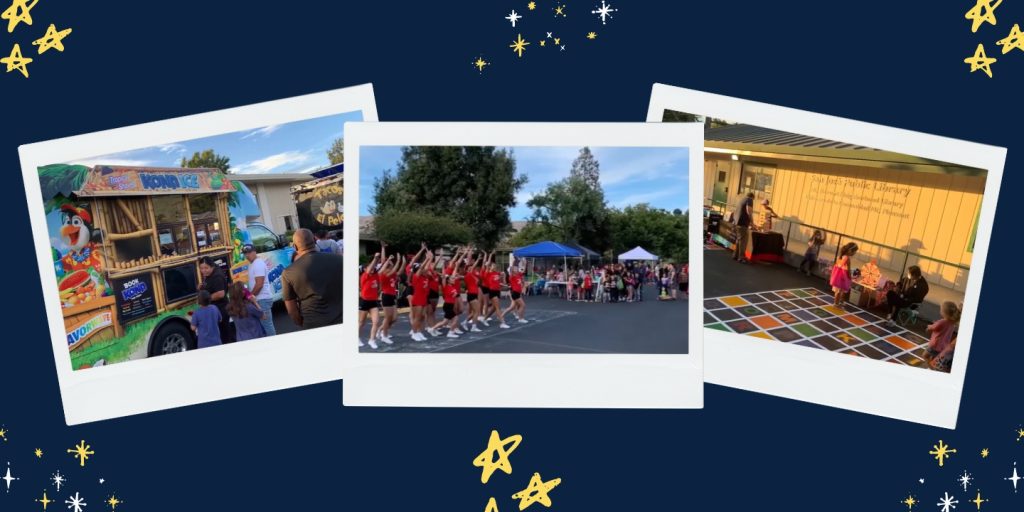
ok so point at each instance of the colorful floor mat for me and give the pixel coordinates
(806, 317)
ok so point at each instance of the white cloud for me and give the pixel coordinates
(274, 163)
(126, 162)
(262, 132)
(652, 196)
(171, 148)
(653, 165)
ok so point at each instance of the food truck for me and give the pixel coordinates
(320, 202)
(126, 243)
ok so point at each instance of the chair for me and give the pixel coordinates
(908, 316)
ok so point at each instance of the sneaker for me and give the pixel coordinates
(459, 331)
(485, 322)
(479, 319)
(464, 325)
(452, 335)
(433, 332)
(523, 321)
(385, 339)
(505, 326)
(411, 333)
(473, 328)
(373, 344)
(418, 337)
(361, 344)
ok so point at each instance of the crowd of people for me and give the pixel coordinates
(616, 282)
(238, 311)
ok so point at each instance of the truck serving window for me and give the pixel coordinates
(180, 282)
(205, 220)
(262, 238)
(172, 226)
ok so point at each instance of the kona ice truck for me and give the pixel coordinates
(320, 202)
(126, 242)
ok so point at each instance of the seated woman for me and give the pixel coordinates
(911, 290)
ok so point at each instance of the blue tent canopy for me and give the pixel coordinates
(546, 249)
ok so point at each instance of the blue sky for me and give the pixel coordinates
(629, 175)
(296, 147)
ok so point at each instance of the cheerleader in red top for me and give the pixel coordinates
(515, 285)
(420, 292)
(493, 279)
(369, 300)
(434, 278)
(451, 296)
(389, 293)
(472, 278)
(485, 292)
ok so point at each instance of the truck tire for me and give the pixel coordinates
(170, 338)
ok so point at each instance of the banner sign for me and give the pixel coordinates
(105, 180)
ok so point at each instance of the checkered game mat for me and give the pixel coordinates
(807, 317)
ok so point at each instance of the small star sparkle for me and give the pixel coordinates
(592, 35)
(531, 6)
(39, 453)
(982, 12)
(909, 501)
(984, 453)
(605, 12)
(113, 502)
(82, 452)
(3, 434)
(560, 10)
(58, 480)
(941, 451)
(519, 45)
(965, 480)
(52, 39)
(1020, 431)
(543, 42)
(8, 478)
(480, 64)
(44, 500)
(947, 503)
(513, 17)
(978, 500)
(76, 502)
(1014, 478)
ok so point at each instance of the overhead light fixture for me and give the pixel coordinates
(735, 157)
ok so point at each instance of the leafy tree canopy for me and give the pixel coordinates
(572, 210)
(336, 153)
(209, 159)
(406, 230)
(654, 229)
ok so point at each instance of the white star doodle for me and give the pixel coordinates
(965, 480)
(1015, 478)
(102, 480)
(8, 478)
(563, 48)
(920, 480)
(549, 35)
(948, 503)
(58, 480)
(76, 502)
(605, 11)
(513, 18)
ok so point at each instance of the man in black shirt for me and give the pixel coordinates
(744, 217)
(910, 290)
(311, 285)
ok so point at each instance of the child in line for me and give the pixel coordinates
(244, 313)
(943, 331)
(206, 321)
(842, 277)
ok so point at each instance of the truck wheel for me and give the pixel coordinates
(171, 338)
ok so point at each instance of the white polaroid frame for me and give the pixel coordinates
(818, 376)
(133, 387)
(523, 380)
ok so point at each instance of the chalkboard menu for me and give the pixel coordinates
(134, 296)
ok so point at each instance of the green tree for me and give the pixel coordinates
(472, 185)
(207, 159)
(587, 168)
(654, 229)
(405, 231)
(572, 210)
(336, 153)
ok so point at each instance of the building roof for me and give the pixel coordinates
(272, 177)
(757, 141)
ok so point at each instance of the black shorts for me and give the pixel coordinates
(485, 291)
(494, 294)
(367, 305)
(449, 311)
(470, 297)
(433, 295)
(516, 295)
(387, 300)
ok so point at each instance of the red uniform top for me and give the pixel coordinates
(494, 281)
(515, 282)
(420, 287)
(473, 282)
(369, 286)
(435, 282)
(389, 284)
(587, 281)
(451, 293)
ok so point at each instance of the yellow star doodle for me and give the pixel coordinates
(909, 502)
(52, 39)
(978, 500)
(560, 11)
(984, 453)
(480, 64)
(19, 11)
(114, 502)
(941, 451)
(3, 434)
(592, 35)
(558, 40)
(502, 448)
(531, 6)
(980, 61)
(82, 452)
(543, 42)
(1014, 40)
(44, 500)
(983, 11)
(492, 506)
(15, 61)
(519, 45)
(1020, 431)
(39, 453)
(536, 492)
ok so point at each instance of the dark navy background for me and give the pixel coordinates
(894, 63)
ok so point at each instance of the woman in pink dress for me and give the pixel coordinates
(842, 278)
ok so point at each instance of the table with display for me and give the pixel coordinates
(764, 245)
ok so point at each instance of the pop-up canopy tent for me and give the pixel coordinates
(547, 249)
(587, 253)
(637, 253)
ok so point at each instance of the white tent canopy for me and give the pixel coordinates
(637, 253)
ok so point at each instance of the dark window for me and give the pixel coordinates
(205, 220)
(262, 238)
(288, 226)
(180, 282)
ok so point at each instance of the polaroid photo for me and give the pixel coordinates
(843, 259)
(185, 261)
(523, 265)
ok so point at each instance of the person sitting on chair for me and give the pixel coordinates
(911, 290)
